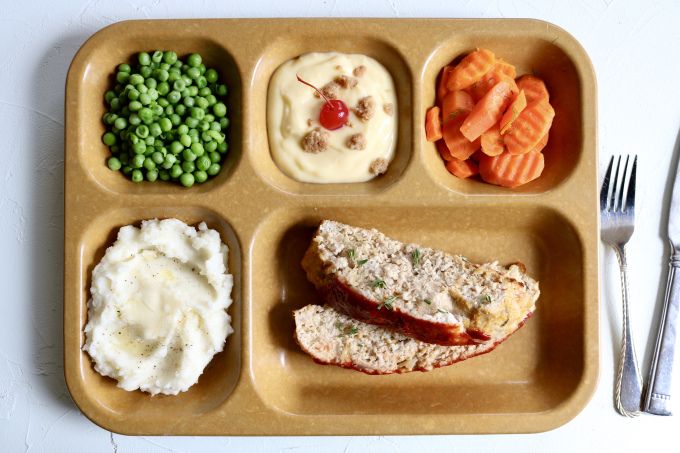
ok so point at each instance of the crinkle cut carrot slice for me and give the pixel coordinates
(511, 171)
(513, 111)
(459, 146)
(488, 110)
(534, 88)
(456, 103)
(529, 127)
(500, 70)
(471, 69)
(462, 168)
(444, 150)
(443, 79)
(433, 126)
(492, 141)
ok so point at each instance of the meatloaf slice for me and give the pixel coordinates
(335, 339)
(423, 293)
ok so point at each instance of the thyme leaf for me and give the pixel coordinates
(415, 257)
(362, 262)
(427, 301)
(378, 283)
(351, 254)
(387, 303)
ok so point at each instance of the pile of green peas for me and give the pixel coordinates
(166, 120)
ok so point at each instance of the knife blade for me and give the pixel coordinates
(658, 395)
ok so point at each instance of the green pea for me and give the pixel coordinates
(157, 110)
(201, 102)
(187, 80)
(200, 176)
(183, 129)
(175, 119)
(127, 170)
(202, 68)
(194, 60)
(177, 64)
(221, 90)
(197, 112)
(134, 119)
(145, 71)
(169, 57)
(197, 148)
(163, 89)
(146, 115)
(179, 85)
(185, 140)
(138, 161)
(122, 77)
(193, 91)
(174, 96)
(149, 142)
(169, 110)
(145, 99)
(206, 137)
(176, 147)
(219, 109)
(187, 179)
(152, 175)
(214, 169)
(123, 67)
(135, 106)
(169, 161)
(163, 103)
(149, 164)
(201, 82)
(175, 171)
(163, 175)
(157, 157)
(114, 149)
(188, 101)
(137, 175)
(162, 75)
(212, 100)
(188, 155)
(215, 126)
(203, 163)
(180, 109)
(214, 157)
(223, 147)
(224, 123)
(157, 56)
(108, 96)
(144, 59)
(211, 147)
(114, 163)
(136, 79)
(194, 73)
(114, 104)
(205, 91)
(188, 166)
(139, 147)
(142, 131)
(153, 93)
(109, 139)
(211, 75)
(142, 88)
(133, 94)
(165, 124)
(150, 83)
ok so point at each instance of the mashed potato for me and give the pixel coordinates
(158, 314)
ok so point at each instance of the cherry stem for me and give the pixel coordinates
(315, 88)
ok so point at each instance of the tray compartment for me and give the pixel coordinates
(92, 72)
(544, 56)
(292, 45)
(220, 377)
(535, 370)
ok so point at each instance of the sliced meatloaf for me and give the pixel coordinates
(335, 339)
(423, 293)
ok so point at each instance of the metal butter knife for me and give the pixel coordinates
(658, 396)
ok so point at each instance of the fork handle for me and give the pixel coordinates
(628, 392)
(658, 397)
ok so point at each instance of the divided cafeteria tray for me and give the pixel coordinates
(262, 383)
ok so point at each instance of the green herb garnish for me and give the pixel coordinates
(387, 303)
(346, 329)
(415, 257)
(439, 310)
(486, 299)
(351, 254)
(427, 301)
(378, 283)
(361, 262)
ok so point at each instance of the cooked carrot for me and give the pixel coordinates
(443, 79)
(511, 171)
(529, 127)
(492, 141)
(459, 146)
(433, 125)
(500, 70)
(488, 110)
(471, 69)
(444, 150)
(541, 144)
(534, 88)
(456, 103)
(462, 168)
(513, 111)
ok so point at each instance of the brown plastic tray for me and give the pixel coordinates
(262, 384)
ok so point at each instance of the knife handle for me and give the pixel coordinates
(658, 397)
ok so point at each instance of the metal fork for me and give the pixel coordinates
(617, 215)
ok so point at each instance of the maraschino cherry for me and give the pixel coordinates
(334, 113)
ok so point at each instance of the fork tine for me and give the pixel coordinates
(630, 196)
(604, 192)
(620, 195)
(615, 186)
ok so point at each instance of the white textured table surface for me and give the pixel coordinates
(634, 48)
